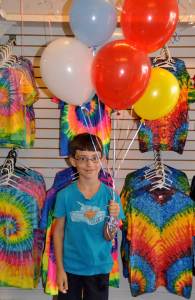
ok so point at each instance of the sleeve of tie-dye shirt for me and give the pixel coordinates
(27, 89)
(191, 91)
(125, 196)
(186, 81)
(193, 245)
(126, 227)
(192, 195)
(194, 235)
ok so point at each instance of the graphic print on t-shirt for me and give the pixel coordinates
(91, 215)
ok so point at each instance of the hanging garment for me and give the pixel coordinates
(17, 94)
(192, 195)
(63, 179)
(31, 98)
(169, 133)
(157, 237)
(21, 239)
(93, 117)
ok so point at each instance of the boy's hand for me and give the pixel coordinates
(111, 225)
(114, 209)
(62, 281)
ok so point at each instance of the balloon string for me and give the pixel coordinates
(22, 24)
(50, 29)
(128, 132)
(114, 148)
(130, 144)
(117, 126)
(101, 118)
(94, 50)
(100, 114)
(114, 154)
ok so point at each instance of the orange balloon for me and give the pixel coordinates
(149, 24)
(120, 74)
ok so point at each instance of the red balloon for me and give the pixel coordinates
(120, 74)
(149, 24)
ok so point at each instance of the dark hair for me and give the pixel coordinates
(85, 142)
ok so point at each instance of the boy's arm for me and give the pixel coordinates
(58, 238)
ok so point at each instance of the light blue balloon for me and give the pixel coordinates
(93, 21)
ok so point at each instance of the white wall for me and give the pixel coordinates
(44, 157)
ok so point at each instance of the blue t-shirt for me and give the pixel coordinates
(86, 251)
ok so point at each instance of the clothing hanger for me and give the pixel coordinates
(152, 167)
(7, 176)
(11, 61)
(6, 50)
(155, 165)
(160, 185)
(11, 162)
(157, 174)
(162, 182)
(9, 172)
(164, 59)
(8, 166)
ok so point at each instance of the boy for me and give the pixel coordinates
(83, 252)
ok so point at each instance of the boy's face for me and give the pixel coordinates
(88, 163)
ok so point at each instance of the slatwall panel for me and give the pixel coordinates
(44, 157)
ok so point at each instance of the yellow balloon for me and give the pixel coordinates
(160, 96)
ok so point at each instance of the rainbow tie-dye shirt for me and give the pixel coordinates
(157, 235)
(93, 117)
(169, 133)
(17, 94)
(21, 239)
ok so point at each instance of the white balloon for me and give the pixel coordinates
(66, 70)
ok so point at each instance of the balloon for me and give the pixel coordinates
(66, 70)
(149, 24)
(160, 96)
(93, 21)
(120, 74)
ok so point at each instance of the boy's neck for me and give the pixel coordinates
(89, 187)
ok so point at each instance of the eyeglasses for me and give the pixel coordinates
(84, 159)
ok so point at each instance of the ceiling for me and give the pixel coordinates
(59, 9)
(42, 7)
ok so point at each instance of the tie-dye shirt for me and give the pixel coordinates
(93, 117)
(21, 239)
(157, 237)
(17, 94)
(169, 133)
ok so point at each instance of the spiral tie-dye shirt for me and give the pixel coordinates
(21, 239)
(169, 133)
(157, 247)
(17, 94)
